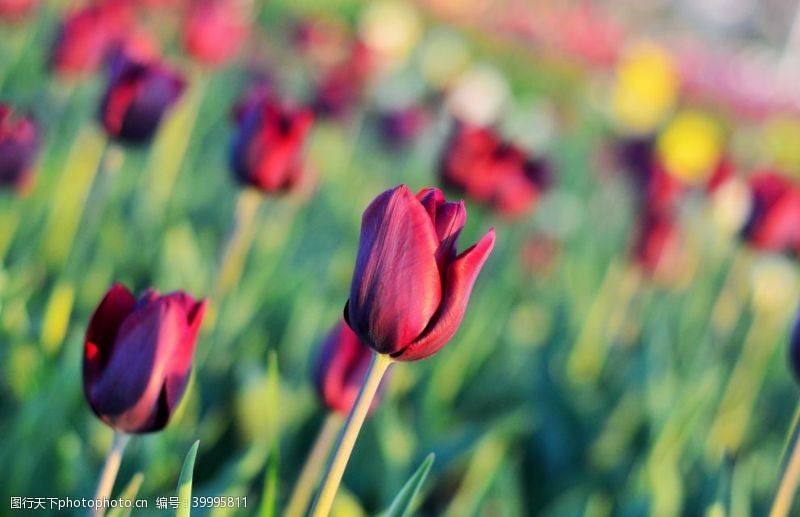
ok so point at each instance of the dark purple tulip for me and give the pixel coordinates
(267, 151)
(138, 94)
(400, 127)
(341, 364)
(794, 350)
(410, 287)
(138, 356)
(19, 144)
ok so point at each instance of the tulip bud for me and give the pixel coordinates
(478, 163)
(214, 30)
(410, 288)
(14, 10)
(656, 243)
(267, 151)
(341, 86)
(86, 35)
(19, 145)
(138, 356)
(138, 94)
(774, 220)
(341, 364)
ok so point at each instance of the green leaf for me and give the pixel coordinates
(405, 501)
(185, 482)
(269, 496)
(129, 493)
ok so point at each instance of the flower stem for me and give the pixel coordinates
(791, 475)
(304, 488)
(347, 437)
(109, 472)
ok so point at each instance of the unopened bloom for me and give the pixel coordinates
(214, 30)
(139, 93)
(19, 145)
(267, 151)
(341, 363)
(138, 356)
(87, 35)
(774, 220)
(410, 288)
(495, 172)
(656, 242)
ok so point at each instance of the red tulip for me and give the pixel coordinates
(14, 10)
(214, 30)
(774, 220)
(139, 93)
(656, 242)
(410, 289)
(340, 87)
(19, 145)
(138, 356)
(478, 163)
(267, 151)
(341, 364)
(86, 36)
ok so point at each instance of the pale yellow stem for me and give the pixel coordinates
(347, 437)
(109, 472)
(785, 495)
(304, 488)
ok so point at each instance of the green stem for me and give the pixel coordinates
(788, 485)
(347, 437)
(109, 473)
(304, 488)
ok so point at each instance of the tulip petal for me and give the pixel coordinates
(180, 364)
(103, 328)
(461, 276)
(127, 394)
(396, 285)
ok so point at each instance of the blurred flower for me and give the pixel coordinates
(774, 220)
(214, 30)
(690, 147)
(342, 362)
(794, 349)
(390, 29)
(267, 151)
(86, 36)
(138, 356)
(478, 163)
(322, 40)
(138, 94)
(645, 88)
(14, 10)
(19, 145)
(730, 206)
(400, 127)
(410, 289)
(340, 87)
(774, 283)
(656, 245)
(479, 96)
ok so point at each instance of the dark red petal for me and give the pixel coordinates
(396, 286)
(460, 278)
(180, 363)
(340, 367)
(431, 198)
(103, 327)
(126, 395)
(450, 219)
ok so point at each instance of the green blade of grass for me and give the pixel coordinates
(185, 482)
(405, 501)
(128, 493)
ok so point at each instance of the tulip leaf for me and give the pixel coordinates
(270, 492)
(185, 483)
(128, 493)
(405, 500)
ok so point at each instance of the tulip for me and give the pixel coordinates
(774, 220)
(19, 145)
(478, 163)
(656, 242)
(139, 93)
(214, 30)
(86, 36)
(409, 293)
(400, 127)
(340, 87)
(410, 288)
(138, 356)
(14, 10)
(340, 368)
(267, 151)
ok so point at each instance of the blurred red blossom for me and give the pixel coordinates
(214, 30)
(19, 145)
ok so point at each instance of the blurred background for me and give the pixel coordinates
(626, 347)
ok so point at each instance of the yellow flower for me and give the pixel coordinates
(645, 88)
(690, 147)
